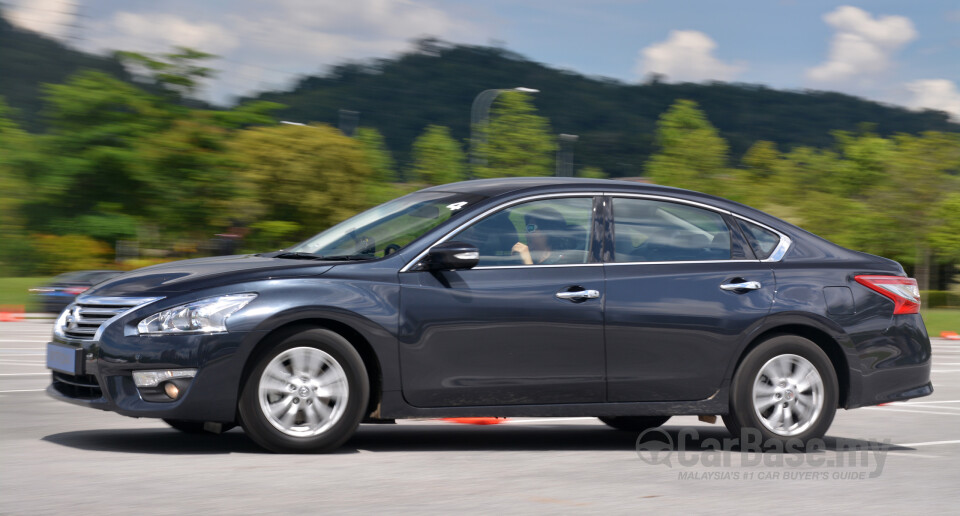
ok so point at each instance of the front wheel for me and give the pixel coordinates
(786, 390)
(306, 394)
(634, 423)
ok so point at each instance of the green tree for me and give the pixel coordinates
(377, 155)
(382, 185)
(592, 173)
(17, 159)
(690, 152)
(920, 173)
(516, 141)
(945, 235)
(312, 176)
(437, 157)
(179, 73)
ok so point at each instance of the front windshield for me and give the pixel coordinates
(385, 229)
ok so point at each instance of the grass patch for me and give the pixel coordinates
(13, 291)
(941, 319)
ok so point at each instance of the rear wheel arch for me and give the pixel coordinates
(356, 339)
(822, 339)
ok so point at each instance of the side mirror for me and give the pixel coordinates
(451, 256)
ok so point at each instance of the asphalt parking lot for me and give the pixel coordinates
(56, 457)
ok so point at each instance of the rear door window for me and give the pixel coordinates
(647, 230)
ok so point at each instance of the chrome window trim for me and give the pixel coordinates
(499, 207)
(782, 246)
(778, 253)
(535, 266)
(677, 262)
(668, 199)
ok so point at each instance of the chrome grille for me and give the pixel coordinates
(88, 314)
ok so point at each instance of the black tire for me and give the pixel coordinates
(634, 423)
(743, 413)
(257, 425)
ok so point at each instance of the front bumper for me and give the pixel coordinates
(106, 381)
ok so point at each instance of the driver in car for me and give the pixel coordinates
(545, 228)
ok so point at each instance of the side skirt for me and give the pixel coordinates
(393, 406)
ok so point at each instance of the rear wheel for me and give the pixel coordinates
(306, 394)
(634, 423)
(786, 390)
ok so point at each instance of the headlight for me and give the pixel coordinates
(61, 323)
(204, 316)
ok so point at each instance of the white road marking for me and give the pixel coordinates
(909, 454)
(945, 370)
(913, 411)
(925, 402)
(928, 443)
(23, 390)
(24, 374)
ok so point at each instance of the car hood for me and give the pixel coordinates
(187, 275)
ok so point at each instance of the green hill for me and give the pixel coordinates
(615, 120)
(29, 60)
(436, 83)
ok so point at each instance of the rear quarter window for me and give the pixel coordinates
(762, 240)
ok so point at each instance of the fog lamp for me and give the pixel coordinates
(171, 390)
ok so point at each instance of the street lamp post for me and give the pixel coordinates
(480, 114)
(565, 155)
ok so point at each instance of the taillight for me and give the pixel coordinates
(903, 291)
(76, 291)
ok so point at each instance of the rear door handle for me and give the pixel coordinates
(579, 294)
(746, 285)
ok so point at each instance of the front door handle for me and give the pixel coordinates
(745, 285)
(578, 295)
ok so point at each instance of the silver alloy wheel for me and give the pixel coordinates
(788, 394)
(303, 392)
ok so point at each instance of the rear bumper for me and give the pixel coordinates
(893, 365)
(902, 383)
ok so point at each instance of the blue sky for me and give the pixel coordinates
(901, 52)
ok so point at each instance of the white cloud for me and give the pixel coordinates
(53, 18)
(939, 94)
(686, 56)
(154, 32)
(862, 46)
(267, 44)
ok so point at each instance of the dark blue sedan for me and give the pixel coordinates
(507, 297)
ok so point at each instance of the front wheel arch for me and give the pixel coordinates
(363, 347)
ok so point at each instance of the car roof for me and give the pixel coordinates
(505, 185)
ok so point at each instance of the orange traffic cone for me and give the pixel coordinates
(950, 335)
(475, 420)
(11, 313)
